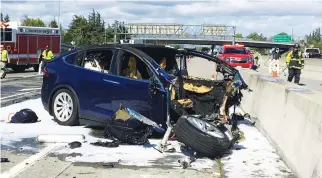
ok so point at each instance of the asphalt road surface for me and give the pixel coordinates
(17, 87)
(310, 77)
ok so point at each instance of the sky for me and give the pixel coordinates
(269, 17)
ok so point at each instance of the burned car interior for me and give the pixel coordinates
(193, 95)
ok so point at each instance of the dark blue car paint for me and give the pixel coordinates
(99, 94)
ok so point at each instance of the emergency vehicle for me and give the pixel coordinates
(236, 56)
(25, 44)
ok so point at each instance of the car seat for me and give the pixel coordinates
(130, 70)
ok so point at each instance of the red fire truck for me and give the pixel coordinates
(25, 44)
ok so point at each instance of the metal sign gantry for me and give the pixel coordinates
(157, 31)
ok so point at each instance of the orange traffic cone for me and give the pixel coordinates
(274, 74)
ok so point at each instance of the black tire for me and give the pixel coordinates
(199, 141)
(73, 119)
(36, 67)
(18, 69)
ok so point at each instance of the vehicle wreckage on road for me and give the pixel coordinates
(88, 86)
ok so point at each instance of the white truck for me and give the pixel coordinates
(311, 53)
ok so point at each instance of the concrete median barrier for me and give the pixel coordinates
(291, 118)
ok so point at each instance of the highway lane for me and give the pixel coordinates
(19, 87)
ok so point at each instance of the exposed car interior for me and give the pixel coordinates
(98, 60)
(133, 67)
(191, 95)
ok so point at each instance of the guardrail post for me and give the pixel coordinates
(234, 36)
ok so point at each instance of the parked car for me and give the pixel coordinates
(236, 56)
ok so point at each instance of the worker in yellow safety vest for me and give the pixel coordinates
(295, 63)
(257, 57)
(46, 56)
(3, 61)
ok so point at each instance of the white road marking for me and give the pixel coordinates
(29, 89)
(15, 95)
(31, 75)
(12, 99)
(29, 162)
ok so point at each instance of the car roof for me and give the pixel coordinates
(132, 47)
(126, 46)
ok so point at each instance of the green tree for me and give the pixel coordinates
(1, 17)
(239, 35)
(32, 22)
(257, 37)
(96, 28)
(87, 31)
(6, 18)
(53, 24)
(77, 31)
(315, 38)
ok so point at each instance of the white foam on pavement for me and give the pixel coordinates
(258, 158)
(129, 155)
(255, 157)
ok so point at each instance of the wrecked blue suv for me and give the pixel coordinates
(88, 85)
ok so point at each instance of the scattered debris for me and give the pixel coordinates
(75, 144)
(113, 144)
(23, 116)
(186, 162)
(4, 160)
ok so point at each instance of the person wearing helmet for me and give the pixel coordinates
(272, 60)
(295, 63)
(46, 56)
(275, 59)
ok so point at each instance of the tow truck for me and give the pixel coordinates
(25, 44)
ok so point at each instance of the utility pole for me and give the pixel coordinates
(292, 36)
(115, 30)
(234, 36)
(59, 26)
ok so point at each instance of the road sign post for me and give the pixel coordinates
(282, 38)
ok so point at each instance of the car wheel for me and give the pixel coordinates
(64, 108)
(18, 69)
(210, 142)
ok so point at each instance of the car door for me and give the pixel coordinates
(182, 64)
(136, 93)
(95, 88)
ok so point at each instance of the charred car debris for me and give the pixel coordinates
(192, 110)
